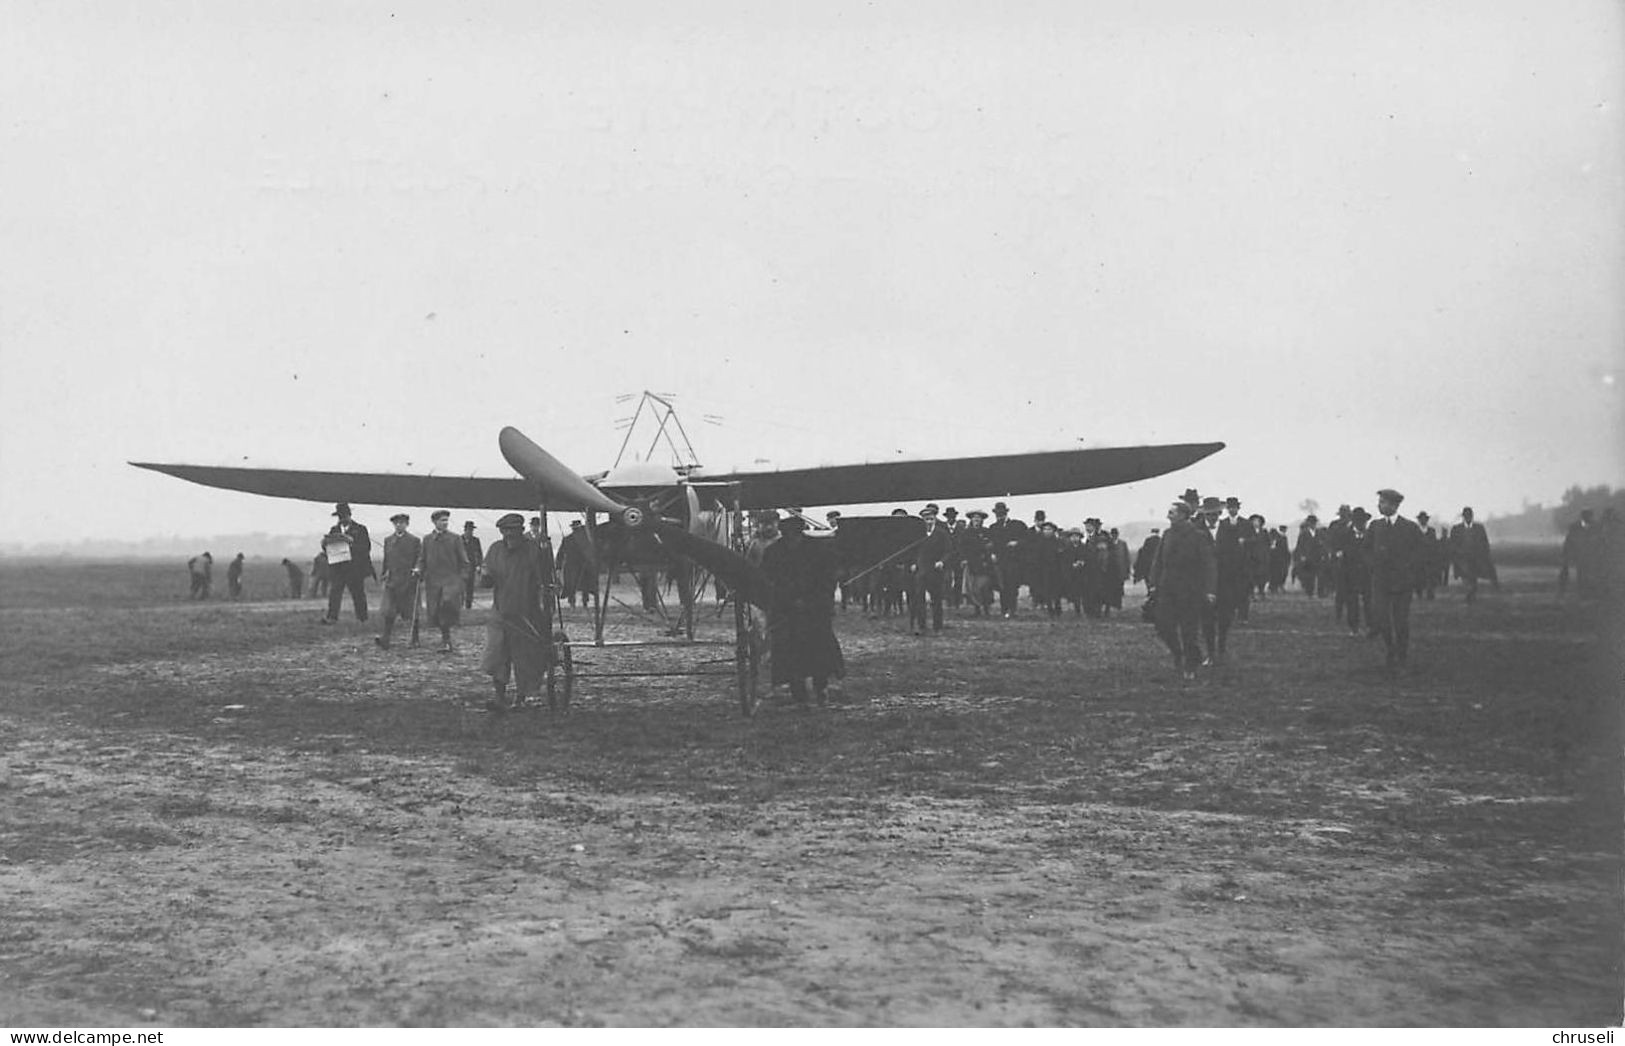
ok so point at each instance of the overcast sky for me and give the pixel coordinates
(1376, 244)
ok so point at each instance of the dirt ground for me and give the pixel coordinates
(224, 814)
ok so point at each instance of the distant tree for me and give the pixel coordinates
(1577, 498)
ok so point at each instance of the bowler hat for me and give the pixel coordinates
(950, 512)
(1232, 501)
(1390, 494)
(400, 517)
(1311, 518)
(1090, 520)
(1422, 517)
(1360, 513)
(512, 521)
(999, 506)
(1190, 497)
(1211, 504)
(342, 509)
(468, 524)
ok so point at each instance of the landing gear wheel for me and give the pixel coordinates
(561, 677)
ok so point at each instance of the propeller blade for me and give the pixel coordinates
(554, 477)
(743, 577)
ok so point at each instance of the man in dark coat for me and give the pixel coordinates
(1183, 581)
(929, 572)
(1308, 555)
(234, 577)
(320, 576)
(801, 621)
(202, 570)
(475, 556)
(1354, 583)
(1396, 549)
(1258, 557)
(1230, 557)
(518, 634)
(1146, 556)
(1470, 546)
(1005, 537)
(349, 564)
(296, 578)
(1427, 570)
(1579, 552)
(972, 548)
(578, 565)
(399, 579)
(441, 568)
(1336, 542)
(1280, 559)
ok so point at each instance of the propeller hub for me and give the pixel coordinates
(633, 517)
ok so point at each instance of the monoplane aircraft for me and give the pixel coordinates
(687, 514)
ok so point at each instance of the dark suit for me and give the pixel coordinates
(1183, 576)
(1470, 546)
(1396, 555)
(1005, 539)
(351, 576)
(931, 557)
(1230, 539)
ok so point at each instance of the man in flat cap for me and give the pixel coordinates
(1184, 580)
(929, 572)
(473, 555)
(1396, 550)
(441, 567)
(349, 564)
(399, 577)
(518, 636)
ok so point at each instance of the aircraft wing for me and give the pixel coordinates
(369, 488)
(1001, 475)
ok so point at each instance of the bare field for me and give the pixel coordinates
(223, 814)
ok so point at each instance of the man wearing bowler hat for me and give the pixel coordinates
(1006, 538)
(1396, 550)
(349, 564)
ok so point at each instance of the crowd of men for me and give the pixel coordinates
(1202, 575)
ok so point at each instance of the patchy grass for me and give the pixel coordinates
(266, 821)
